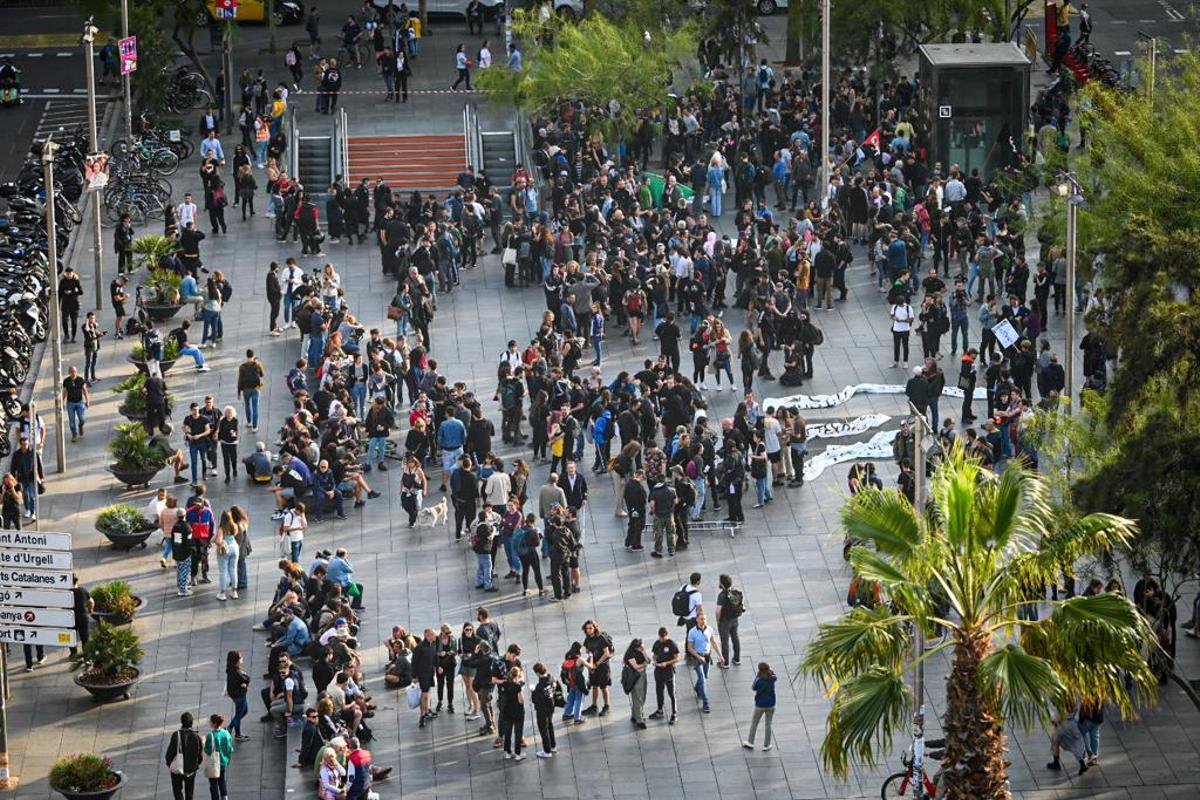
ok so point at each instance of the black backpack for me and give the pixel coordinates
(736, 603)
(681, 601)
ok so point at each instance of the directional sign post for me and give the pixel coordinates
(42, 598)
(35, 540)
(34, 579)
(49, 617)
(36, 559)
(46, 637)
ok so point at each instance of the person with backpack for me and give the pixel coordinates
(481, 544)
(687, 601)
(563, 547)
(512, 393)
(730, 607)
(546, 695)
(573, 674)
(185, 754)
(203, 527)
(527, 542)
(182, 550)
(662, 507)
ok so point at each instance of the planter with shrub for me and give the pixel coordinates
(85, 775)
(160, 289)
(107, 664)
(136, 459)
(125, 526)
(137, 356)
(115, 603)
(133, 405)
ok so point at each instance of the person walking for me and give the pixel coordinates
(528, 543)
(764, 705)
(185, 751)
(236, 684)
(77, 399)
(665, 656)
(701, 644)
(92, 334)
(902, 316)
(633, 681)
(511, 702)
(250, 378)
(730, 607)
(182, 550)
(543, 696)
(218, 749)
(463, 64)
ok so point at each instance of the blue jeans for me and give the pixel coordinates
(196, 355)
(210, 325)
(197, 452)
(168, 546)
(29, 491)
(240, 709)
(289, 303)
(227, 565)
(296, 548)
(701, 683)
(250, 404)
(260, 148)
(1091, 735)
(701, 496)
(243, 574)
(483, 570)
(597, 345)
(510, 553)
(955, 327)
(359, 394)
(375, 450)
(762, 487)
(574, 704)
(75, 413)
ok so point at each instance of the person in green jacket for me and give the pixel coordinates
(220, 740)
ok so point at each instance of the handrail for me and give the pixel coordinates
(345, 143)
(340, 146)
(294, 131)
(524, 149)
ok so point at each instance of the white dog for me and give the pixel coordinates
(432, 516)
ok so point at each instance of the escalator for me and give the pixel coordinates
(498, 151)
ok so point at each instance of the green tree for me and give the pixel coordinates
(607, 66)
(853, 25)
(987, 540)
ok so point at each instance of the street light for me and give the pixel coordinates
(826, 175)
(60, 447)
(1069, 189)
(88, 40)
(1153, 43)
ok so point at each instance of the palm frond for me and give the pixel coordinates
(1090, 535)
(955, 485)
(1097, 645)
(886, 520)
(1020, 684)
(855, 642)
(867, 712)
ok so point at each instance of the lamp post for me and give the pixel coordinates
(1069, 188)
(918, 724)
(126, 79)
(826, 175)
(60, 446)
(88, 39)
(1152, 41)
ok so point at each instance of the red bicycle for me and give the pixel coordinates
(905, 784)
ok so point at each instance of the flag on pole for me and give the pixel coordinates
(873, 140)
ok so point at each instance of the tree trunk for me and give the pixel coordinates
(188, 49)
(423, 9)
(973, 768)
(795, 33)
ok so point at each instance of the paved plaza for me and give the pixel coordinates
(788, 558)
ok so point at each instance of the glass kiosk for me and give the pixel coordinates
(976, 97)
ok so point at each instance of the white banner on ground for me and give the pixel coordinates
(878, 446)
(853, 427)
(808, 401)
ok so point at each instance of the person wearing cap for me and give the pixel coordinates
(24, 468)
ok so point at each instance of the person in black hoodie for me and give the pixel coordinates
(187, 743)
(936, 381)
(424, 664)
(635, 506)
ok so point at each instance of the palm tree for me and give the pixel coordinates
(968, 565)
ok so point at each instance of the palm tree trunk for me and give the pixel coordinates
(973, 768)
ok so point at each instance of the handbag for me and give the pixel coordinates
(414, 695)
(212, 762)
(966, 381)
(176, 765)
(394, 312)
(509, 256)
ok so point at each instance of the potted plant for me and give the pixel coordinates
(85, 775)
(125, 526)
(133, 406)
(136, 460)
(137, 356)
(115, 603)
(160, 290)
(107, 664)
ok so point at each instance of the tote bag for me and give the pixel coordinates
(212, 762)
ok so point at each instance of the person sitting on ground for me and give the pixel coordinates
(258, 464)
(160, 441)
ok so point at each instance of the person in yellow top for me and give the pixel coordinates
(277, 110)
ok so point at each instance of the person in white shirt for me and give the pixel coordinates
(902, 318)
(485, 55)
(293, 276)
(185, 212)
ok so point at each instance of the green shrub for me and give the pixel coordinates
(134, 388)
(123, 519)
(111, 653)
(115, 598)
(132, 450)
(170, 350)
(83, 772)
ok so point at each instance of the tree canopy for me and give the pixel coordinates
(610, 67)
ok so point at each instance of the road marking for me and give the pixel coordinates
(84, 91)
(1181, 50)
(1118, 22)
(64, 55)
(1121, 53)
(1147, 21)
(51, 91)
(25, 40)
(34, 55)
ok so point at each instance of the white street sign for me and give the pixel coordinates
(35, 579)
(35, 540)
(41, 617)
(46, 637)
(39, 559)
(43, 598)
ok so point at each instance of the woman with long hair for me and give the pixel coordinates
(636, 659)
(467, 641)
(748, 358)
(236, 684)
(511, 702)
(242, 520)
(226, 546)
